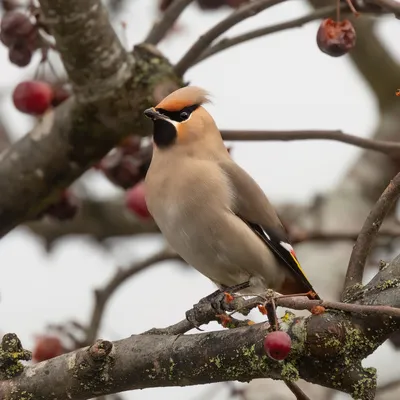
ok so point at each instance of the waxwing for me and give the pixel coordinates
(209, 209)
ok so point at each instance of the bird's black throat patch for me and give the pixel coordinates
(164, 133)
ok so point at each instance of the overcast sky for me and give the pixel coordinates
(281, 81)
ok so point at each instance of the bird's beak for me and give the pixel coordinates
(153, 114)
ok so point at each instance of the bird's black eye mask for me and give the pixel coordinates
(178, 116)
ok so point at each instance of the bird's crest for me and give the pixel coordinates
(184, 97)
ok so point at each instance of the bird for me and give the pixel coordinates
(209, 209)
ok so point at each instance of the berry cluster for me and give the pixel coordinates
(19, 32)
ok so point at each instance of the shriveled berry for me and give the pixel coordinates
(33, 97)
(65, 208)
(130, 145)
(277, 345)
(135, 201)
(336, 38)
(16, 24)
(47, 347)
(20, 55)
(122, 170)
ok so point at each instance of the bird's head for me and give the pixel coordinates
(180, 118)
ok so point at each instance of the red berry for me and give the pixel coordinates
(47, 347)
(136, 202)
(33, 97)
(336, 38)
(277, 345)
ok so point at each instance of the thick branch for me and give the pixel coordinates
(98, 219)
(368, 233)
(242, 13)
(327, 350)
(165, 23)
(90, 49)
(69, 140)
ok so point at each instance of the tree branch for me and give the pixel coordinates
(111, 90)
(98, 219)
(300, 395)
(246, 11)
(362, 247)
(102, 296)
(327, 349)
(162, 26)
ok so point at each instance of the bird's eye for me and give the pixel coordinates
(184, 115)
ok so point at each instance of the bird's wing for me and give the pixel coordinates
(254, 208)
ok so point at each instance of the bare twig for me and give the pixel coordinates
(368, 233)
(302, 303)
(164, 24)
(103, 295)
(243, 12)
(300, 395)
(389, 148)
(320, 236)
(227, 43)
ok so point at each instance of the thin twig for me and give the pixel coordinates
(302, 303)
(362, 247)
(103, 295)
(226, 43)
(243, 12)
(389, 148)
(294, 388)
(164, 24)
(320, 236)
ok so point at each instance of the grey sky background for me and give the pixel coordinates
(281, 81)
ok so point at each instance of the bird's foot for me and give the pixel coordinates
(219, 301)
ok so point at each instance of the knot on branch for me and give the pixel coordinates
(95, 361)
(11, 355)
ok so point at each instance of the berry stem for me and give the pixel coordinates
(337, 10)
